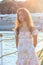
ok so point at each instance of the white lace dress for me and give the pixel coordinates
(26, 49)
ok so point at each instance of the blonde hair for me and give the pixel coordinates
(28, 18)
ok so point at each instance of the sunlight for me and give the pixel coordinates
(0, 0)
(20, 0)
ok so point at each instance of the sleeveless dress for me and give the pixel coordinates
(26, 49)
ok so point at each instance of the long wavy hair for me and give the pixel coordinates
(28, 20)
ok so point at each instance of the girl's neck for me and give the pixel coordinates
(24, 26)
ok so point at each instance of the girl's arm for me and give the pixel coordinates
(17, 34)
(34, 35)
(35, 40)
(16, 41)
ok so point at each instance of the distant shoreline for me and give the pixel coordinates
(7, 21)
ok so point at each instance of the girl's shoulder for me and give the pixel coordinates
(34, 31)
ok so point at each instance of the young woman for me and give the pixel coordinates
(26, 38)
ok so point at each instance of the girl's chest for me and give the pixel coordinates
(24, 34)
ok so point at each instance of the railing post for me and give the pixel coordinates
(1, 60)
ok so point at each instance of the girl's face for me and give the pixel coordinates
(21, 16)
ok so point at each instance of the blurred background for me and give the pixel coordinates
(8, 9)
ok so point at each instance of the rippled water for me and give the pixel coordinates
(8, 47)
